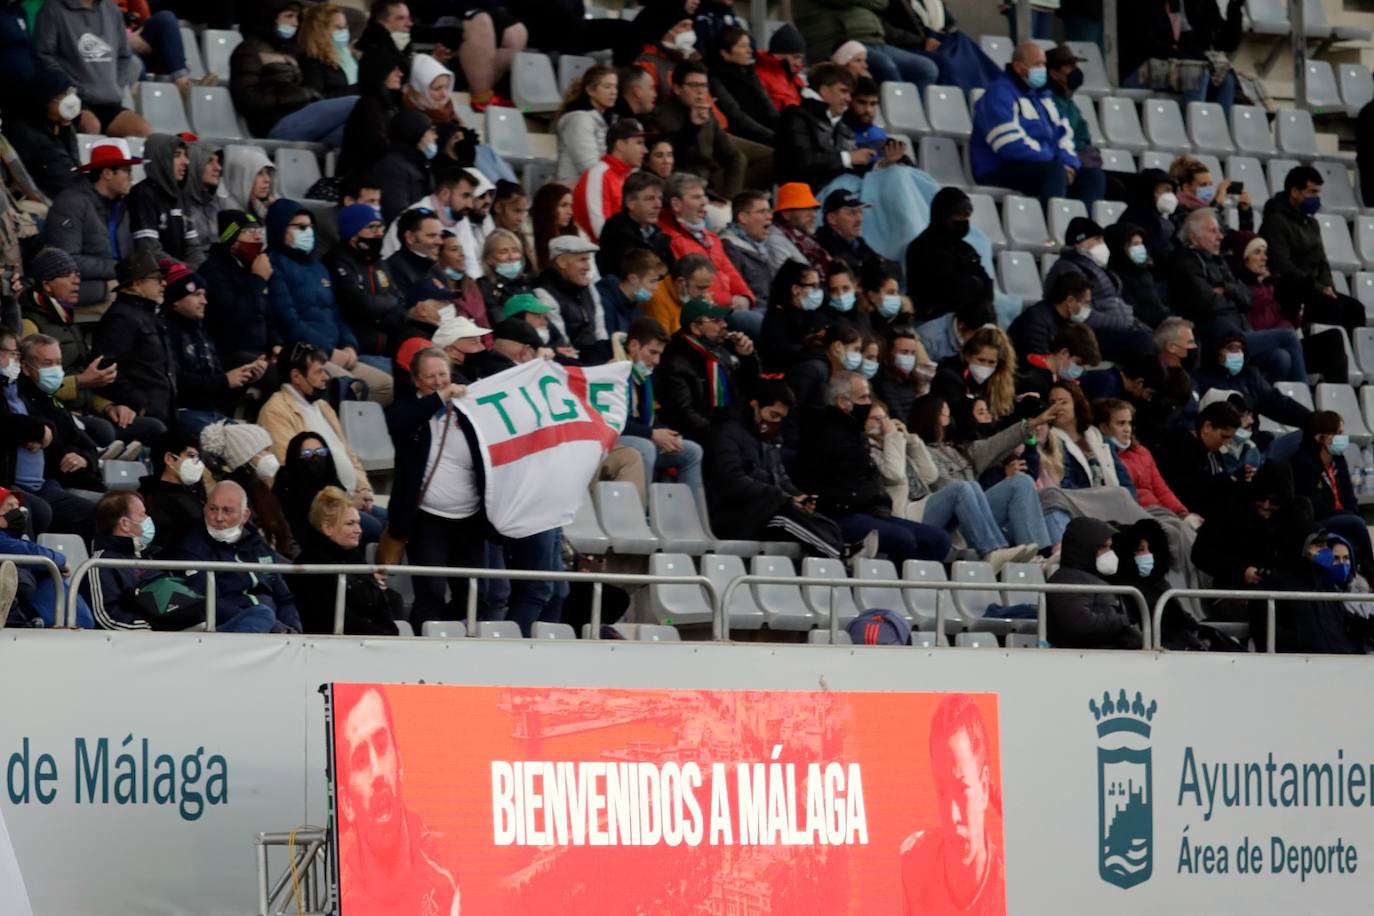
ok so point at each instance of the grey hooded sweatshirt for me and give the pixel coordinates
(89, 45)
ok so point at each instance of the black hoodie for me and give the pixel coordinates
(944, 272)
(1082, 621)
(264, 75)
(1137, 282)
(157, 206)
(367, 132)
(1142, 211)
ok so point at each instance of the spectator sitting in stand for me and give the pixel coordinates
(89, 43)
(581, 122)
(205, 171)
(842, 234)
(983, 369)
(684, 222)
(45, 137)
(369, 299)
(904, 373)
(737, 90)
(125, 530)
(1118, 330)
(636, 225)
(1068, 300)
(814, 145)
(942, 337)
(1198, 191)
(944, 272)
(1137, 379)
(660, 446)
(335, 537)
(130, 335)
(244, 454)
(577, 312)
(404, 170)
(1322, 474)
(1072, 348)
(175, 493)
(1115, 421)
(701, 146)
(780, 67)
(697, 374)
(415, 262)
(862, 116)
(503, 256)
(638, 95)
(624, 293)
(1191, 462)
(158, 215)
(597, 195)
(796, 317)
(1130, 262)
(248, 180)
(795, 218)
(692, 277)
(237, 309)
(89, 220)
(1227, 366)
(1080, 621)
(1151, 207)
(747, 242)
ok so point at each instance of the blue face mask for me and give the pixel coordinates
(509, 270)
(1310, 205)
(1242, 435)
(430, 151)
(1071, 372)
(1338, 445)
(852, 360)
(1333, 573)
(304, 240)
(286, 31)
(1207, 194)
(843, 302)
(643, 294)
(890, 306)
(341, 37)
(1234, 362)
(1038, 77)
(453, 273)
(1120, 446)
(148, 531)
(812, 300)
(868, 368)
(1139, 254)
(1145, 563)
(50, 379)
(905, 363)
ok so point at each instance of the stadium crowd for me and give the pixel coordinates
(818, 344)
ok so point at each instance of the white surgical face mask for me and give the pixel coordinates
(11, 372)
(981, 373)
(686, 42)
(226, 535)
(1167, 203)
(1082, 314)
(1100, 254)
(191, 471)
(543, 334)
(1107, 563)
(268, 466)
(401, 40)
(70, 106)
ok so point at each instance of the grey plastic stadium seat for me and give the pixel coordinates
(1061, 211)
(1250, 130)
(498, 629)
(742, 613)
(1024, 222)
(1047, 261)
(570, 68)
(444, 629)
(1121, 124)
(195, 66)
(1155, 159)
(738, 548)
(1023, 641)
(1022, 574)
(219, 45)
(1340, 282)
(1323, 97)
(1355, 376)
(648, 632)
(1117, 160)
(1340, 250)
(673, 517)
(69, 545)
(822, 638)
(902, 109)
(1364, 239)
(532, 83)
(403, 628)
(536, 174)
(1093, 67)
(1208, 130)
(783, 605)
(1338, 193)
(1249, 170)
(947, 111)
(1164, 126)
(1295, 134)
(1268, 17)
(1341, 398)
(507, 134)
(939, 158)
(364, 427)
(160, 104)
(1356, 85)
(1020, 278)
(1318, 26)
(924, 639)
(1366, 407)
(297, 170)
(84, 142)
(622, 518)
(677, 604)
(972, 604)
(817, 597)
(998, 47)
(1298, 391)
(790, 549)
(542, 629)
(1088, 108)
(122, 475)
(1278, 169)
(585, 534)
(212, 113)
(1364, 349)
(1364, 291)
(1214, 166)
(923, 603)
(986, 220)
(869, 597)
(976, 641)
(1107, 212)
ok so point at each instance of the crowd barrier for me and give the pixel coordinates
(1269, 597)
(54, 573)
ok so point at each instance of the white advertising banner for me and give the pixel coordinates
(138, 767)
(544, 428)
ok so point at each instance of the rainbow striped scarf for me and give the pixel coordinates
(717, 377)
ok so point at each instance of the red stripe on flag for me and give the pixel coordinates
(549, 437)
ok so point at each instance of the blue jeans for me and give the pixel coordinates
(533, 600)
(381, 363)
(1224, 95)
(1057, 522)
(1015, 504)
(900, 539)
(1042, 24)
(962, 505)
(895, 65)
(373, 521)
(687, 461)
(1044, 180)
(1278, 354)
(493, 601)
(318, 122)
(162, 31)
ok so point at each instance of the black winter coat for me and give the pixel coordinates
(201, 380)
(786, 336)
(67, 439)
(369, 608)
(836, 464)
(237, 310)
(176, 509)
(130, 334)
(742, 99)
(369, 299)
(684, 392)
(1194, 276)
(404, 176)
(1312, 627)
(1260, 396)
(808, 146)
(407, 419)
(1295, 244)
(407, 270)
(266, 83)
(16, 429)
(620, 234)
(1310, 480)
(49, 152)
(328, 80)
(746, 484)
(1096, 621)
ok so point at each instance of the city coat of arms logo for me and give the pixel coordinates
(1125, 797)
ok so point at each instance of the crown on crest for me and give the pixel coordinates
(1123, 714)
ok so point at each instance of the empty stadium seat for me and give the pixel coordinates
(1061, 211)
(1318, 26)
(1019, 276)
(1340, 283)
(742, 613)
(1298, 391)
(1364, 291)
(939, 158)
(1121, 124)
(998, 47)
(84, 142)
(1024, 223)
(622, 518)
(885, 597)
(972, 605)
(1093, 67)
(1023, 641)
(1340, 250)
(818, 597)
(923, 604)
(1364, 239)
(212, 113)
(403, 628)
(677, 604)
(195, 66)
(71, 546)
(986, 220)
(783, 606)
(822, 638)
(1118, 160)
(1295, 134)
(1107, 212)
(1323, 97)
(652, 632)
(738, 548)
(445, 629)
(1357, 87)
(1268, 17)
(1164, 126)
(673, 517)
(1338, 193)
(1208, 130)
(533, 86)
(1022, 574)
(498, 629)
(1156, 159)
(1278, 169)
(976, 641)
(542, 629)
(570, 69)
(924, 639)
(1341, 398)
(507, 135)
(364, 426)
(161, 106)
(947, 111)
(1250, 130)
(1088, 108)
(1364, 350)
(902, 109)
(1249, 170)
(219, 45)
(297, 170)
(1366, 409)
(122, 475)
(585, 534)
(1047, 260)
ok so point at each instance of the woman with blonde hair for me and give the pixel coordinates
(582, 121)
(984, 367)
(327, 62)
(335, 537)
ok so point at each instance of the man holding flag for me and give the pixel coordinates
(699, 371)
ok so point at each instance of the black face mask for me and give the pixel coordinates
(315, 395)
(1189, 362)
(958, 228)
(860, 412)
(318, 467)
(368, 248)
(17, 519)
(1075, 80)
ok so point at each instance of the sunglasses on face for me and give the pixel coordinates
(308, 453)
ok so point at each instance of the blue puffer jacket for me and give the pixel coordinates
(300, 292)
(1015, 123)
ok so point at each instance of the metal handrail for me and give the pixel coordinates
(55, 573)
(341, 570)
(1048, 588)
(1268, 596)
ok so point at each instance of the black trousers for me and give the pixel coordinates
(438, 541)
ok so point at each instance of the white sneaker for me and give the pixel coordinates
(9, 587)
(112, 451)
(1021, 553)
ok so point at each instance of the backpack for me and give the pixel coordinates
(880, 627)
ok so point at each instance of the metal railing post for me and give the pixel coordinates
(1023, 21)
(472, 607)
(595, 624)
(834, 614)
(340, 594)
(210, 601)
(1111, 52)
(60, 595)
(1269, 596)
(1272, 619)
(1298, 23)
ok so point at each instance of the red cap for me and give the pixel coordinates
(405, 353)
(6, 494)
(110, 154)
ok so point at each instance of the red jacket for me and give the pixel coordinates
(783, 88)
(596, 198)
(1150, 488)
(728, 283)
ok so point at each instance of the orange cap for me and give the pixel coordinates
(796, 195)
